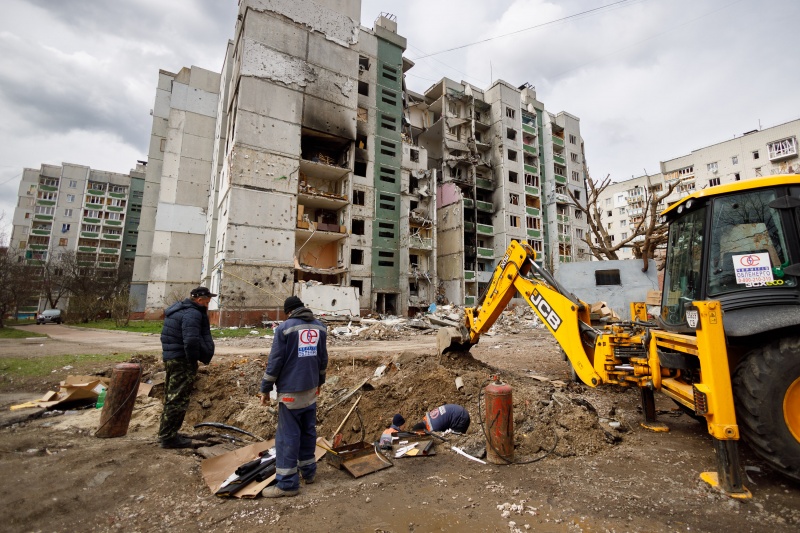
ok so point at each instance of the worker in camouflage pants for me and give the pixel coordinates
(185, 340)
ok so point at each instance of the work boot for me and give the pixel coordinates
(176, 442)
(275, 492)
(308, 480)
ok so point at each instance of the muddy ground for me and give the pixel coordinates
(589, 465)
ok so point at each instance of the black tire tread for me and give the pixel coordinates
(759, 385)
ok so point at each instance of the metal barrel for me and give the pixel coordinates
(120, 397)
(499, 423)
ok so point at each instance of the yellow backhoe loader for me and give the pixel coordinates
(726, 346)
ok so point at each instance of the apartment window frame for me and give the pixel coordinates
(513, 199)
(512, 155)
(511, 112)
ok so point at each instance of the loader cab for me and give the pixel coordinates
(738, 244)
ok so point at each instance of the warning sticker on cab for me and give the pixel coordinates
(752, 269)
(307, 346)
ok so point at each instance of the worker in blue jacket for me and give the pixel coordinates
(296, 368)
(448, 416)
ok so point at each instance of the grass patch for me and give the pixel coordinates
(136, 326)
(25, 367)
(11, 333)
(226, 333)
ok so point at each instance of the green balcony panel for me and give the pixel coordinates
(484, 206)
(115, 208)
(563, 218)
(530, 189)
(38, 247)
(485, 229)
(469, 226)
(529, 129)
(532, 211)
(564, 238)
(109, 251)
(530, 149)
(90, 234)
(558, 159)
(107, 265)
(91, 220)
(95, 192)
(469, 275)
(42, 217)
(484, 184)
(535, 233)
(48, 188)
(45, 202)
(560, 179)
(40, 232)
(562, 199)
(530, 169)
(469, 301)
(420, 243)
(485, 252)
(468, 202)
(112, 222)
(87, 249)
(86, 263)
(111, 237)
(558, 141)
(120, 195)
(90, 205)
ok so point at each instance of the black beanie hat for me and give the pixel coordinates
(398, 420)
(292, 303)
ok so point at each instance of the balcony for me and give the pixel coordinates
(484, 206)
(484, 183)
(48, 188)
(558, 141)
(535, 233)
(529, 129)
(530, 169)
(562, 198)
(421, 243)
(45, 202)
(110, 251)
(115, 209)
(326, 202)
(532, 211)
(485, 229)
(106, 265)
(37, 247)
(469, 301)
(91, 220)
(87, 249)
(469, 226)
(560, 160)
(90, 234)
(108, 236)
(530, 189)
(40, 232)
(112, 222)
(564, 238)
(782, 149)
(38, 216)
(530, 149)
(95, 192)
(323, 170)
(468, 203)
(469, 275)
(563, 218)
(93, 205)
(560, 179)
(487, 253)
(120, 195)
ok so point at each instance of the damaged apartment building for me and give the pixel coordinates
(316, 193)
(306, 167)
(505, 166)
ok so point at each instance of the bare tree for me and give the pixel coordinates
(17, 283)
(647, 235)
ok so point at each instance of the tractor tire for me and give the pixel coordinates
(766, 389)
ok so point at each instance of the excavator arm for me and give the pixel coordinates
(563, 314)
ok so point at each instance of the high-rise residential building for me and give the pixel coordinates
(505, 166)
(754, 154)
(73, 208)
(174, 200)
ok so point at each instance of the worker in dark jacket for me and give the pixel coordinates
(448, 416)
(296, 368)
(185, 340)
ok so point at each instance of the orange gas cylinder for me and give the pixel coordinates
(499, 422)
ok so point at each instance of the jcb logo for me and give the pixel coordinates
(546, 310)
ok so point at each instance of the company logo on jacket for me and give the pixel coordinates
(308, 343)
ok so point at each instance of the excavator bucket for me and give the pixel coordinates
(452, 340)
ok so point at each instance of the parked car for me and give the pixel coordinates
(52, 316)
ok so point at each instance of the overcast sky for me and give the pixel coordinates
(650, 79)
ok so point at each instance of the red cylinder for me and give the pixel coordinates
(120, 397)
(499, 423)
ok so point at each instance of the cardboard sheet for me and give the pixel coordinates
(217, 469)
(75, 388)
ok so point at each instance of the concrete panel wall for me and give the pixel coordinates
(270, 100)
(250, 167)
(328, 299)
(263, 132)
(180, 218)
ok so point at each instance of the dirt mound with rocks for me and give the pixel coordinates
(548, 418)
